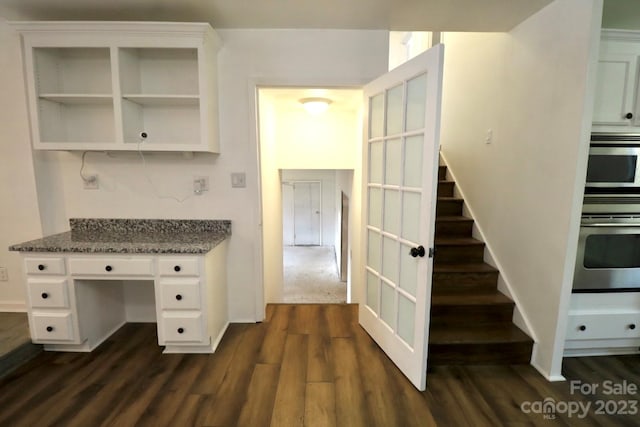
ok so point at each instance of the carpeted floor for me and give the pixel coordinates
(311, 275)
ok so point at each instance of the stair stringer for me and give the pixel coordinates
(520, 318)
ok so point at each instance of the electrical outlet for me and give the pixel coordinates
(489, 137)
(4, 275)
(200, 184)
(90, 182)
(238, 180)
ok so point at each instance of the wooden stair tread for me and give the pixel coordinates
(449, 199)
(457, 241)
(494, 298)
(509, 333)
(453, 218)
(464, 268)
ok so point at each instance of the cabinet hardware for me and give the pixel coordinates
(108, 268)
(49, 328)
(41, 267)
(177, 268)
(45, 295)
(582, 327)
(179, 297)
(180, 330)
(629, 116)
(632, 326)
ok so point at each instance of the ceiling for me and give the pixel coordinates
(400, 15)
(288, 98)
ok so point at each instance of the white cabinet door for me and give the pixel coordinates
(616, 88)
(400, 166)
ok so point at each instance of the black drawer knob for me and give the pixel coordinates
(108, 268)
(179, 297)
(632, 326)
(177, 268)
(180, 330)
(629, 115)
(582, 328)
(45, 295)
(49, 328)
(41, 267)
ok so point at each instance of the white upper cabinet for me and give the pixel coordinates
(114, 86)
(617, 94)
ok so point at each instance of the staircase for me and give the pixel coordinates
(470, 319)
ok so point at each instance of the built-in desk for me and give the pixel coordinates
(84, 284)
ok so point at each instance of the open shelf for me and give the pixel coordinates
(77, 98)
(156, 100)
(72, 70)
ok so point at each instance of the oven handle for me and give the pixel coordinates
(606, 224)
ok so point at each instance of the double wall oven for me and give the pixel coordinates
(608, 256)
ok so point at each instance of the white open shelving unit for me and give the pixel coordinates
(100, 85)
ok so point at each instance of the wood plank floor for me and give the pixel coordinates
(14, 331)
(306, 365)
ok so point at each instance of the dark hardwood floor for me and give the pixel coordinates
(308, 365)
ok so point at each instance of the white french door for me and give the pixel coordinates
(400, 167)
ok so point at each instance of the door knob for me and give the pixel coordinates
(417, 252)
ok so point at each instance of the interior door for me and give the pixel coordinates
(400, 164)
(306, 213)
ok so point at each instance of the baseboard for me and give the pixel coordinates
(13, 307)
(547, 375)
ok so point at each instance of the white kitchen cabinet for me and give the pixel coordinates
(114, 86)
(617, 94)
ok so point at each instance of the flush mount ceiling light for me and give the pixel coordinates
(315, 105)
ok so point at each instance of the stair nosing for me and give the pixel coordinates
(477, 267)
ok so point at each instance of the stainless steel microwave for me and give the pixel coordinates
(613, 166)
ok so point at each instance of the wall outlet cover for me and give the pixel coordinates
(238, 180)
(4, 274)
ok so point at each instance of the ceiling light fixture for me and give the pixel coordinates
(315, 105)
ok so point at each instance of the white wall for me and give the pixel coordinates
(533, 88)
(344, 183)
(327, 179)
(19, 215)
(248, 57)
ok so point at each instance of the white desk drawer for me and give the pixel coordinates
(52, 327)
(44, 265)
(185, 327)
(178, 267)
(105, 266)
(184, 295)
(48, 293)
(603, 326)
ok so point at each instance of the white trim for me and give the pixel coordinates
(624, 35)
(490, 259)
(13, 306)
(544, 372)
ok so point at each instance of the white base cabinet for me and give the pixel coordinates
(76, 301)
(114, 86)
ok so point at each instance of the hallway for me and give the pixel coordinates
(311, 276)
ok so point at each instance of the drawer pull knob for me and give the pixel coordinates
(45, 295)
(180, 330)
(629, 116)
(632, 326)
(582, 328)
(179, 297)
(108, 268)
(177, 268)
(49, 328)
(41, 267)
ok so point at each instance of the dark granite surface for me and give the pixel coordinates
(133, 236)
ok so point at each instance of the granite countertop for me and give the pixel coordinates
(133, 236)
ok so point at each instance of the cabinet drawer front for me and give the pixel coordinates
(48, 293)
(52, 327)
(178, 267)
(44, 266)
(179, 296)
(105, 266)
(603, 326)
(182, 328)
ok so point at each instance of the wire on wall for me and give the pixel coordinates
(150, 181)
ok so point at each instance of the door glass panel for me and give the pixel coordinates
(375, 207)
(393, 162)
(394, 111)
(406, 318)
(392, 211)
(411, 216)
(390, 259)
(416, 100)
(372, 291)
(413, 161)
(408, 270)
(612, 251)
(375, 162)
(611, 168)
(388, 304)
(376, 123)
(373, 251)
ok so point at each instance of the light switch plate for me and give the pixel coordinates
(238, 180)
(4, 275)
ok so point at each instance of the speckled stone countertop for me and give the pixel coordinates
(151, 236)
